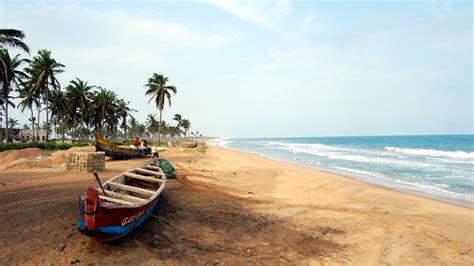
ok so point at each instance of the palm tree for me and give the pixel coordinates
(186, 125)
(104, 103)
(78, 95)
(89, 117)
(58, 105)
(178, 118)
(32, 120)
(152, 124)
(10, 75)
(158, 90)
(45, 126)
(13, 123)
(28, 100)
(55, 121)
(133, 126)
(13, 38)
(175, 131)
(141, 129)
(25, 127)
(123, 111)
(43, 70)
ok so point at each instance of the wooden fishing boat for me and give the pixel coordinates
(120, 204)
(117, 152)
(189, 145)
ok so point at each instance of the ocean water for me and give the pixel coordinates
(440, 167)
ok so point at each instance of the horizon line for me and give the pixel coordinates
(344, 136)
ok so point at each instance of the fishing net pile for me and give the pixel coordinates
(162, 163)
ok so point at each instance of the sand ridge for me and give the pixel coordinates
(21, 159)
(37, 158)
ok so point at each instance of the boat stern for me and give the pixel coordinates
(88, 203)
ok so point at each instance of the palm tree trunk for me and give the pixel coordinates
(159, 129)
(47, 113)
(88, 131)
(32, 123)
(82, 123)
(125, 127)
(6, 117)
(38, 124)
(62, 128)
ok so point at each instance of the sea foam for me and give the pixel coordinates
(219, 142)
(433, 153)
(431, 189)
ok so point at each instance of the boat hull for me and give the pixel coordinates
(116, 152)
(120, 204)
(189, 145)
(113, 222)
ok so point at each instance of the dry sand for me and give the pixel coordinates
(25, 158)
(232, 207)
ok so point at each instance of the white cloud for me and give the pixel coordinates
(318, 78)
(265, 14)
(111, 48)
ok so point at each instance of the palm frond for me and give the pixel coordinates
(13, 38)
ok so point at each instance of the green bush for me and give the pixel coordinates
(40, 145)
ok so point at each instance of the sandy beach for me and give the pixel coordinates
(227, 207)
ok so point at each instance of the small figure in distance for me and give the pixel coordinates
(156, 157)
(136, 142)
(144, 147)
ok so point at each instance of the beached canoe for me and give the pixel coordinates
(117, 152)
(128, 200)
(161, 164)
(189, 145)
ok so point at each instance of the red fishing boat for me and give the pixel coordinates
(120, 204)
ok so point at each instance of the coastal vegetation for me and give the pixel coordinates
(159, 91)
(76, 110)
(51, 146)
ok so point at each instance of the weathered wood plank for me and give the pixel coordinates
(121, 196)
(148, 172)
(133, 189)
(116, 200)
(145, 178)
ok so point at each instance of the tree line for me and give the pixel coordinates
(78, 109)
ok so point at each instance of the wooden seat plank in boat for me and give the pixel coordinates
(121, 196)
(132, 189)
(145, 171)
(123, 202)
(145, 178)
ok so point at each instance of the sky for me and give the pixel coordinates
(270, 68)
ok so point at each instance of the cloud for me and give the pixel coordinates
(113, 48)
(317, 76)
(112, 28)
(265, 14)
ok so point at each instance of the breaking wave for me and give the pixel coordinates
(433, 153)
(219, 142)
